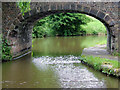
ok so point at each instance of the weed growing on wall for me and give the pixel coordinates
(6, 54)
(24, 5)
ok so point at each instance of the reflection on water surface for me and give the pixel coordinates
(55, 64)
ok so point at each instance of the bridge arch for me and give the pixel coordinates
(21, 35)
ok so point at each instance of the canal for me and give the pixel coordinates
(54, 63)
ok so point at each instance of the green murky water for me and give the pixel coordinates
(54, 64)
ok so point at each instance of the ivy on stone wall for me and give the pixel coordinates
(6, 50)
(24, 5)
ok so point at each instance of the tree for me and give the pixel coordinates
(63, 24)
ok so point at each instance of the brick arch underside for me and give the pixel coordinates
(21, 36)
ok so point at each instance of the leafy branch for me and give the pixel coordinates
(24, 5)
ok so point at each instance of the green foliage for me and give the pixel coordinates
(24, 5)
(63, 24)
(116, 54)
(68, 24)
(97, 62)
(6, 54)
(94, 27)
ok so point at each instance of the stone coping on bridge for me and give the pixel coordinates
(68, 7)
(64, 0)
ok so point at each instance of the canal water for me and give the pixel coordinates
(54, 63)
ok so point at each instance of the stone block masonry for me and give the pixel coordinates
(18, 29)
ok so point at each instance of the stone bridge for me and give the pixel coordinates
(18, 29)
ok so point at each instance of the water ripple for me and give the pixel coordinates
(71, 73)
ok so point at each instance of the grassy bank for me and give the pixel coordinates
(109, 67)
